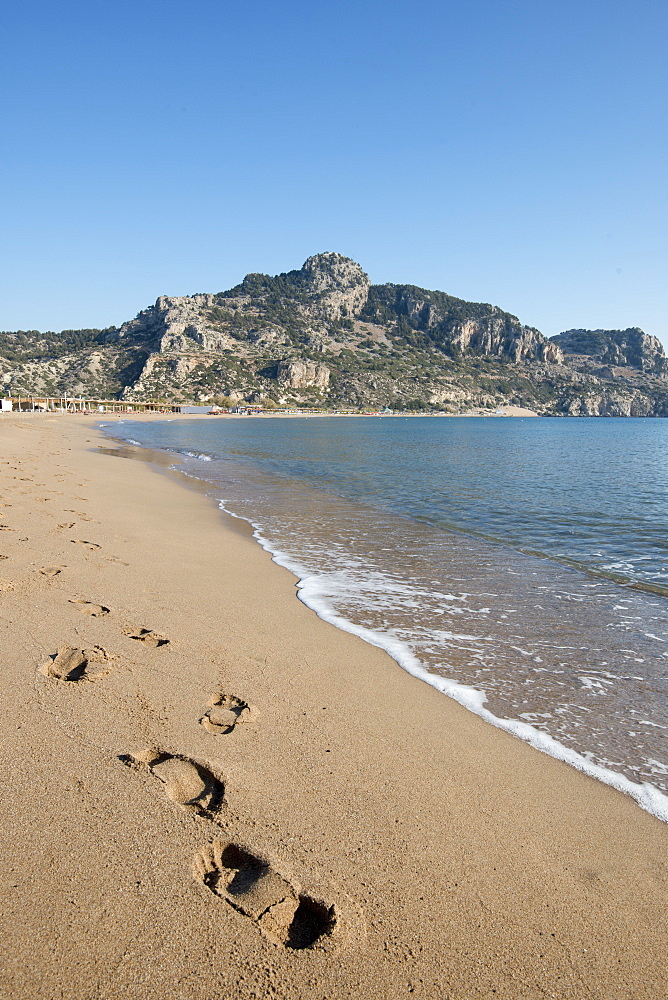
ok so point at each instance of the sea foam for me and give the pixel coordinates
(316, 597)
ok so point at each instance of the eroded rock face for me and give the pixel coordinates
(268, 336)
(181, 314)
(493, 336)
(171, 317)
(624, 348)
(491, 332)
(303, 374)
(177, 323)
(338, 286)
(448, 394)
(612, 404)
(183, 366)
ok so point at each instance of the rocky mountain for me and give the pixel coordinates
(324, 335)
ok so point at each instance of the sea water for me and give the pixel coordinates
(518, 565)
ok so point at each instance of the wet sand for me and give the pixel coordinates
(209, 792)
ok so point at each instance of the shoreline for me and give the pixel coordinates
(504, 411)
(459, 861)
(646, 795)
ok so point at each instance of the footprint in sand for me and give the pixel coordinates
(89, 545)
(3, 557)
(66, 524)
(5, 527)
(247, 882)
(225, 713)
(88, 608)
(72, 664)
(146, 635)
(190, 784)
(51, 570)
(79, 513)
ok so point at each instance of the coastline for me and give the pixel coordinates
(646, 795)
(347, 581)
(460, 861)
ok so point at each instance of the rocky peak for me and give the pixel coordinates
(339, 285)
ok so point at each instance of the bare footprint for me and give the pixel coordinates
(89, 545)
(146, 635)
(79, 513)
(51, 570)
(88, 608)
(71, 664)
(190, 784)
(247, 882)
(226, 712)
(66, 524)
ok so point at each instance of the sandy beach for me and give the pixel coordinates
(211, 793)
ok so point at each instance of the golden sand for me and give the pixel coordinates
(210, 793)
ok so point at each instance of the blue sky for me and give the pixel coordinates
(507, 152)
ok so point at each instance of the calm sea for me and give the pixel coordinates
(518, 565)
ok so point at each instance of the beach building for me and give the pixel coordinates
(69, 404)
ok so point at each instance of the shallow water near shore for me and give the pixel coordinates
(521, 566)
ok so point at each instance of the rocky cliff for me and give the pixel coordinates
(323, 335)
(458, 327)
(620, 348)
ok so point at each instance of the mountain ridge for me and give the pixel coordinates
(324, 335)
